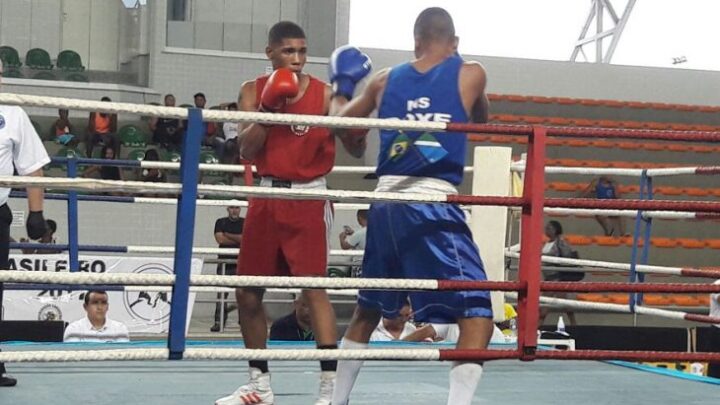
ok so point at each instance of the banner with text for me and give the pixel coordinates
(141, 311)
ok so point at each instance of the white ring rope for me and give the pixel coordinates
(204, 289)
(642, 268)
(519, 167)
(13, 276)
(239, 168)
(222, 251)
(619, 213)
(429, 354)
(619, 308)
(236, 203)
(217, 190)
(221, 116)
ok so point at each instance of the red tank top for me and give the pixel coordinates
(297, 152)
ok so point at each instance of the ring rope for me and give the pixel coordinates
(359, 283)
(350, 196)
(351, 354)
(158, 249)
(626, 309)
(671, 171)
(643, 268)
(395, 124)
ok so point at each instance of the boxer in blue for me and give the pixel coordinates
(429, 241)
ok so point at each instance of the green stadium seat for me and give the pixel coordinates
(130, 135)
(171, 156)
(136, 154)
(10, 57)
(70, 61)
(38, 58)
(76, 77)
(45, 75)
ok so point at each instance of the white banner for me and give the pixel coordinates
(142, 312)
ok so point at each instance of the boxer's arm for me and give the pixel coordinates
(361, 106)
(252, 136)
(473, 81)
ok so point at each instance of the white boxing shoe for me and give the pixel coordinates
(256, 392)
(327, 384)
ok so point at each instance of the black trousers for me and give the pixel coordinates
(224, 269)
(5, 221)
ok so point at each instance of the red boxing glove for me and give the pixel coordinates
(282, 85)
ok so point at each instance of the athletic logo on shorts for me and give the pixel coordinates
(300, 130)
(150, 306)
(2, 121)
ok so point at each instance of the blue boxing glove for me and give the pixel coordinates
(348, 65)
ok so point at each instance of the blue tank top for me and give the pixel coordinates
(430, 96)
(605, 192)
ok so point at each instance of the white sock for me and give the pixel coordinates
(347, 372)
(464, 378)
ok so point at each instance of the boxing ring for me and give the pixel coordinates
(513, 382)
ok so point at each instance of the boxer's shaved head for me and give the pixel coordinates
(434, 24)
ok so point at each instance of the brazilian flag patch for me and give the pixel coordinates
(430, 148)
(399, 146)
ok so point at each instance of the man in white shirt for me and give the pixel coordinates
(394, 329)
(96, 326)
(22, 149)
(355, 238)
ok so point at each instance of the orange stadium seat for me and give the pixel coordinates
(696, 191)
(632, 124)
(579, 240)
(637, 104)
(541, 99)
(495, 97)
(501, 139)
(614, 103)
(689, 243)
(559, 121)
(658, 126)
(583, 122)
(609, 124)
(516, 98)
(654, 146)
(627, 145)
(715, 192)
(660, 106)
(686, 107)
(685, 300)
(704, 300)
(712, 243)
(607, 241)
(668, 190)
(681, 127)
(664, 242)
(601, 143)
(678, 147)
(622, 299)
(531, 119)
(578, 143)
(709, 109)
(562, 186)
(553, 141)
(705, 128)
(478, 137)
(656, 300)
(565, 100)
(702, 149)
(592, 297)
(589, 102)
(507, 118)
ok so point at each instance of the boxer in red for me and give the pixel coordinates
(286, 237)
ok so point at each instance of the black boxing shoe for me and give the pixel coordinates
(6, 381)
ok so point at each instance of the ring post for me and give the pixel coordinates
(72, 214)
(185, 223)
(634, 276)
(530, 244)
